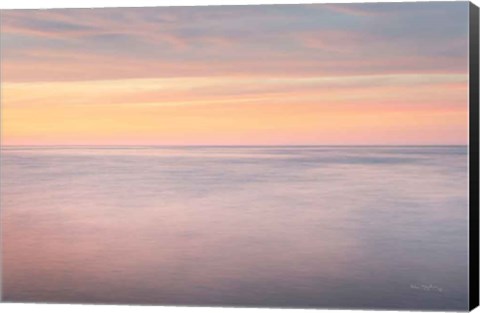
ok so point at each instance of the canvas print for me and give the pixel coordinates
(309, 155)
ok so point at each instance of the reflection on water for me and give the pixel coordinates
(364, 227)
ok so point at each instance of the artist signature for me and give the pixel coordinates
(429, 288)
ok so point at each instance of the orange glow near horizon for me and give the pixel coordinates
(208, 111)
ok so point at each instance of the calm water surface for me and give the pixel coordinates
(364, 227)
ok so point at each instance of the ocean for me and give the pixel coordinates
(295, 226)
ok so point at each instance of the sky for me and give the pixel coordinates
(310, 74)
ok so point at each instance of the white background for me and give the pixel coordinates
(54, 308)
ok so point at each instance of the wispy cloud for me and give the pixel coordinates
(260, 40)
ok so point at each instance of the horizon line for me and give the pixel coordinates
(233, 146)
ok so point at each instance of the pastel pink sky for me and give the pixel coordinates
(392, 73)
